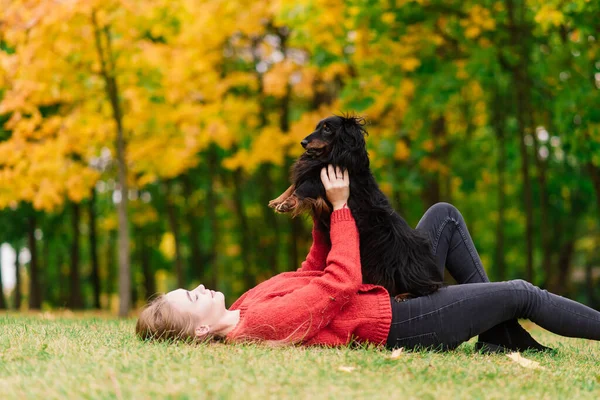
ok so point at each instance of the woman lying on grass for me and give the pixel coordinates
(326, 303)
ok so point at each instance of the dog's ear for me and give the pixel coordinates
(350, 151)
(353, 134)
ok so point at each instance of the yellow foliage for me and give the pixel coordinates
(428, 145)
(479, 20)
(461, 72)
(472, 31)
(143, 214)
(233, 250)
(386, 188)
(549, 16)
(402, 151)
(407, 88)
(410, 64)
(388, 17)
(167, 246)
(277, 79)
(429, 164)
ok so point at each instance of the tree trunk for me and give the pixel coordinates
(63, 291)
(35, 293)
(75, 300)
(594, 172)
(145, 261)
(18, 293)
(297, 231)
(211, 209)
(267, 240)
(521, 87)
(48, 291)
(432, 191)
(589, 285)
(3, 305)
(545, 221)
(174, 226)
(563, 266)
(500, 126)
(270, 237)
(95, 274)
(107, 70)
(196, 267)
(111, 277)
(248, 275)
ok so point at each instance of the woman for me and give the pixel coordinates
(325, 302)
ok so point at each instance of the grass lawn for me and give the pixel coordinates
(84, 356)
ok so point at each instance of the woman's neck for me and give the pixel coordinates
(227, 323)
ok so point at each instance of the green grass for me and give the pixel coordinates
(81, 356)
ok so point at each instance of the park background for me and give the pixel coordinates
(141, 140)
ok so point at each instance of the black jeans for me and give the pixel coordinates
(456, 313)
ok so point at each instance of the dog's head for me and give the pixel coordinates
(339, 141)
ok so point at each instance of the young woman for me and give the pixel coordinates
(326, 303)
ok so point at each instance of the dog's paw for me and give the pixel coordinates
(288, 205)
(274, 203)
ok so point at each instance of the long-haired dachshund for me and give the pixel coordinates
(392, 254)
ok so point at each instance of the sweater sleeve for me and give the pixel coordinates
(317, 256)
(302, 313)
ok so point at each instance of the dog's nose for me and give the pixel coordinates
(304, 143)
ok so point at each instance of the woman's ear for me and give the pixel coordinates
(202, 331)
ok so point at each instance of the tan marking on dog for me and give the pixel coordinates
(291, 203)
(316, 144)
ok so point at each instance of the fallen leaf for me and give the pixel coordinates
(396, 354)
(524, 362)
(346, 369)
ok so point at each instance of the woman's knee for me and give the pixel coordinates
(445, 209)
(528, 297)
(523, 285)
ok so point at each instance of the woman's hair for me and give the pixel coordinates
(160, 321)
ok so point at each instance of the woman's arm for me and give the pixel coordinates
(317, 256)
(300, 314)
(337, 190)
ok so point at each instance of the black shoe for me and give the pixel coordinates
(512, 336)
(490, 348)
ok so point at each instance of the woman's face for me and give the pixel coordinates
(207, 306)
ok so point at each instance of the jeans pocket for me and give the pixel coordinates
(425, 341)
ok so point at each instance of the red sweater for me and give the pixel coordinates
(324, 302)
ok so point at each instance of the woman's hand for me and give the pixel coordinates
(337, 186)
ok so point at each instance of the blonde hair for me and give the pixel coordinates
(160, 321)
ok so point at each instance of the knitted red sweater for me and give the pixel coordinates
(324, 302)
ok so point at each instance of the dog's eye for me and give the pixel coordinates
(326, 130)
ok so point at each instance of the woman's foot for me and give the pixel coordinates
(508, 336)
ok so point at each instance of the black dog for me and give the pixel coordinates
(393, 254)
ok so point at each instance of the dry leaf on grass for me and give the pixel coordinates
(346, 369)
(524, 362)
(396, 354)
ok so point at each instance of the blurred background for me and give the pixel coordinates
(141, 140)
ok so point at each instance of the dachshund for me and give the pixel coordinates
(392, 254)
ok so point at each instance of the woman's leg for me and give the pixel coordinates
(451, 244)
(454, 314)
(454, 249)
